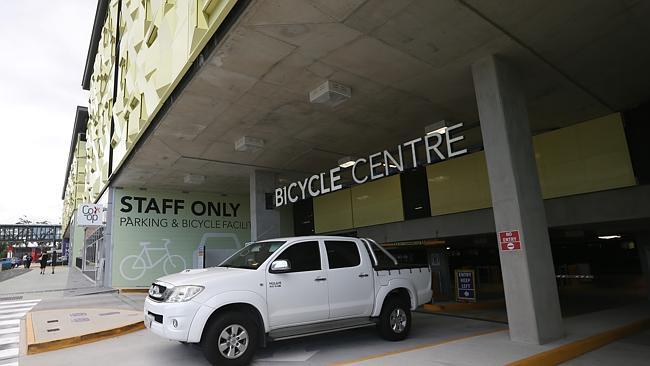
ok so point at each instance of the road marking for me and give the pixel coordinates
(13, 306)
(11, 339)
(19, 302)
(4, 323)
(10, 314)
(10, 330)
(17, 310)
(422, 346)
(9, 353)
(13, 316)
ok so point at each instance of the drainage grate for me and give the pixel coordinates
(111, 313)
(78, 314)
(11, 298)
(52, 321)
(80, 320)
(54, 330)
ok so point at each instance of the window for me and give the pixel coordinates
(341, 254)
(253, 255)
(302, 257)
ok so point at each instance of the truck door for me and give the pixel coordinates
(350, 277)
(300, 295)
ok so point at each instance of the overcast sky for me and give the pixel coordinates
(43, 45)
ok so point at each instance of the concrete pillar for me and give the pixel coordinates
(528, 274)
(265, 223)
(643, 246)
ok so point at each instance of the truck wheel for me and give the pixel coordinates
(395, 319)
(230, 340)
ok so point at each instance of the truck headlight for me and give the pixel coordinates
(184, 293)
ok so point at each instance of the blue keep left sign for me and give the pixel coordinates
(465, 284)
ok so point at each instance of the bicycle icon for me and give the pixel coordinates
(137, 265)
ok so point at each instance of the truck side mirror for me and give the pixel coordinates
(280, 266)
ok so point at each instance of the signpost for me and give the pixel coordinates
(509, 240)
(465, 285)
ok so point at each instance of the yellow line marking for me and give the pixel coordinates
(464, 306)
(33, 348)
(29, 328)
(422, 346)
(133, 290)
(574, 349)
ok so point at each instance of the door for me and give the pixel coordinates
(300, 295)
(351, 281)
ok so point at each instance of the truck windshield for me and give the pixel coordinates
(253, 255)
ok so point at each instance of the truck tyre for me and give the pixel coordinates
(394, 319)
(231, 339)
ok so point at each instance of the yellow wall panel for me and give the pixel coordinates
(333, 212)
(460, 184)
(377, 202)
(586, 157)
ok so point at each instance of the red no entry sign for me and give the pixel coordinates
(509, 240)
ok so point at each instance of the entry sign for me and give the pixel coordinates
(465, 285)
(509, 240)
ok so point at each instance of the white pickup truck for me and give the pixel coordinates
(286, 288)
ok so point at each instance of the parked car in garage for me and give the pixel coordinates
(286, 288)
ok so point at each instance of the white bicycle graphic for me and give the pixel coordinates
(133, 267)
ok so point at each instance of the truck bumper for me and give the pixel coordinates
(170, 320)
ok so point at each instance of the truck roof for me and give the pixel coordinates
(313, 237)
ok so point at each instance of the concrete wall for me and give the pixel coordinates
(630, 203)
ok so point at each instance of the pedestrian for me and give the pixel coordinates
(24, 260)
(53, 259)
(28, 260)
(43, 262)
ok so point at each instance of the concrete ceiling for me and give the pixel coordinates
(408, 64)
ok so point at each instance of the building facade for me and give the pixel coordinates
(508, 143)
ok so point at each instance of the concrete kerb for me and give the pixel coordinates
(34, 347)
(572, 350)
(133, 290)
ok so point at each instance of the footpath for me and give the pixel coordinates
(69, 309)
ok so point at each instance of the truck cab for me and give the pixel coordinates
(286, 288)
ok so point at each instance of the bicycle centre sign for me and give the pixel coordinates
(436, 145)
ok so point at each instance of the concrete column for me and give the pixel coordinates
(643, 246)
(528, 274)
(265, 223)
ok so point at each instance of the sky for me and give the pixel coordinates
(43, 46)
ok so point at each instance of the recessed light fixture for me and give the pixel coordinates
(439, 127)
(330, 93)
(249, 144)
(608, 237)
(448, 248)
(194, 179)
(346, 162)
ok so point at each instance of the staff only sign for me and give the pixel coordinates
(435, 144)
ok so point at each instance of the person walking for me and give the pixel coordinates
(53, 259)
(28, 261)
(43, 262)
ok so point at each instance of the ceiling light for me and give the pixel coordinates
(418, 208)
(249, 144)
(346, 162)
(607, 237)
(194, 179)
(448, 248)
(330, 93)
(439, 127)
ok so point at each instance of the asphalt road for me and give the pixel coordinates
(144, 348)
